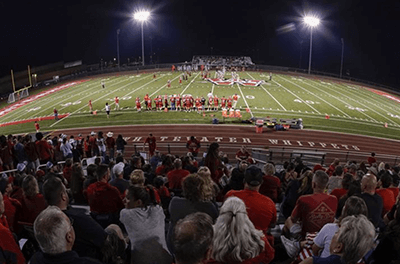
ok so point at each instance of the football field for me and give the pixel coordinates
(351, 108)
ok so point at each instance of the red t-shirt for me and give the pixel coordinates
(104, 198)
(37, 126)
(31, 207)
(110, 142)
(67, 173)
(260, 209)
(175, 178)
(395, 191)
(152, 142)
(44, 149)
(339, 193)
(388, 199)
(9, 247)
(314, 211)
(266, 256)
(271, 187)
(12, 211)
(371, 160)
(242, 156)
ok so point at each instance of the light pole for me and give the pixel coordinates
(311, 22)
(341, 63)
(142, 16)
(118, 30)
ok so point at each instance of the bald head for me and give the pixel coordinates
(368, 183)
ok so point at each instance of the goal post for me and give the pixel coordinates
(18, 95)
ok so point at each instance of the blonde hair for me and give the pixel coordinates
(269, 169)
(235, 237)
(209, 190)
(137, 177)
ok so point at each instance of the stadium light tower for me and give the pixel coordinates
(142, 16)
(312, 22)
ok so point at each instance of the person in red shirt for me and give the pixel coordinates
(312, 211)
(176, 176)
(193, 145)
(223, 102)
(37, 127)
(332, 167)
(110, 144)
(12, 207)
(340, 192)
(138, 105)
(151, 141)
(93, 145)
(178, 103)
(387, 195)
(116, 101)
(32, 201)
(214, 163)
(371, 160)
(9, 248)
(235, 100)
(169, 84)
(90, 105)
(198, 105)
(216, 102)
(55, 114)
(244, 154)
(260, 209)
(149, 107)
(180, 80)
(44, 149)
(210, 103)
(166, 104)
(229, 101)
(271, 186)
(104, 199)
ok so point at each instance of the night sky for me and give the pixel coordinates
(40, 32)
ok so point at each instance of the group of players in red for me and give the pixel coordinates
(185, 102)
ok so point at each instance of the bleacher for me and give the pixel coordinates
(214, 61)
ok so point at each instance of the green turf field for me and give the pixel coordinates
(352, 108)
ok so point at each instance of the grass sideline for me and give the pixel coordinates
(353, 109)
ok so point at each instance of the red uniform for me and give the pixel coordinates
(180, 80)
(223, 102)
(198, 102)
(169, 84)
(216, 99)
(149, 103)
(138, 106)
(152, 144)
(116, 100)
(37, 126)
(178, 101)
(229, 102)
(90, 105)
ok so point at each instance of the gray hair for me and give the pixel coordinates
(50, 228)
(269, 169)
(356, 233)
(235, 237)
(321, 179)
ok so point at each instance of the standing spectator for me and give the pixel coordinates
(67, 170)
(110, 143)
(144, 221)
(176, 176)
(44, 149)
(244, 154)
(332, 167)
(6, 154)
(193, 237)
(93, 144)
(101, 144)
(37, 127)
(56, 236)
(66, 149)
(214, 163)
(10, 252)
(151, 141)
(261, 209)
(192, 202)
(155, 160)
(76, 184)
(32, 153)
(119, 182)
(236, 240)
(104, 200)
(193, 145)
(371, 159)
(19, 150)
(271, 186)
(120, 143)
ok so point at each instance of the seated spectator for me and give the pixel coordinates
(388, 249)
(149, 175)
(371, 159)
(119, 164)
(190, 164)
(312, 211)
(144, 221)
(193, 145)
(211, 189)
(350, 243)
(260, 209)
(163, 192)
(340, 192)
(155, 160)
(91, 176)
(137, 178)
(214, 163)
(394, 186)
(373, 201)
(32, 202)
(176, 176)
(9, 249)
(114, 249)
(90, 236)
(295, 189)
(166, 166)
(67, 170)
(12, 207)
(76, 184)
(56, 236)
(289, 175)
(119, 182)
(44, 149)
(271, 186)
(354, 206)
(193, 238)
(387, 195)
(335, 181)
(236, 240)
(104, 200)
(236, 181)
(354, 190)
(244, 154)
(193, 200)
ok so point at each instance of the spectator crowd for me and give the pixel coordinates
(189, 209)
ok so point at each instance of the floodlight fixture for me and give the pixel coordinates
(142, 16)
(311, 21)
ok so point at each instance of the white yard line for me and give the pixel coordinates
(304, 89)
(371, 109)
(296, 96)
(113, 91)
(270, 94)
(251, 113)
(190, 83)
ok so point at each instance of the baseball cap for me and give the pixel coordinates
(21, 166)
(49, 165)
(118, 168)
(93, 133)
(253, 176)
